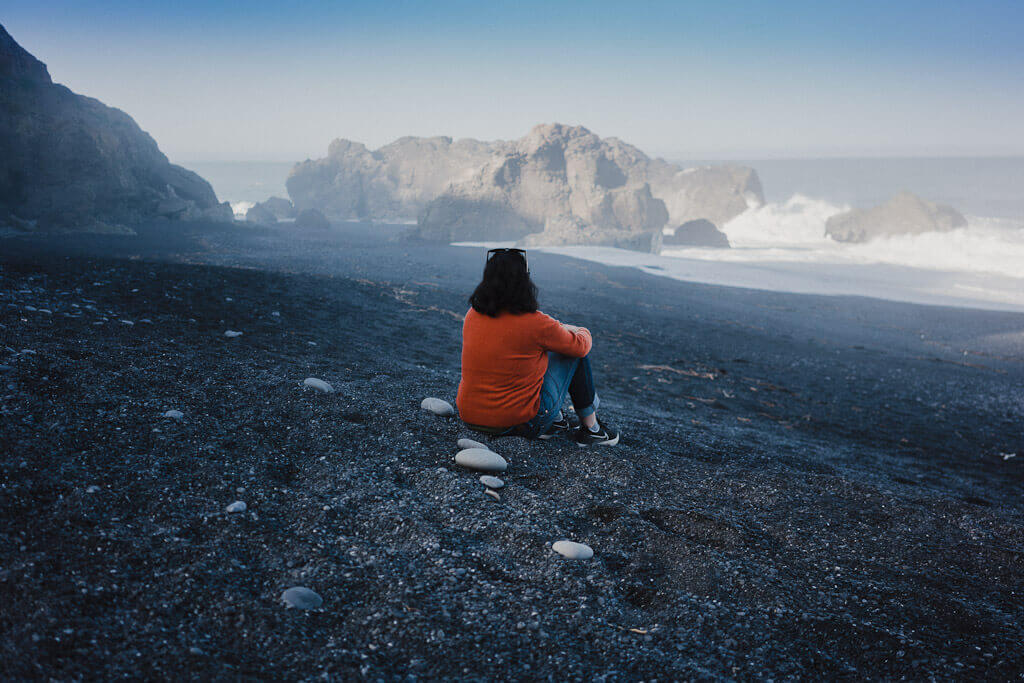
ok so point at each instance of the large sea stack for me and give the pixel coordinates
(904, 214)
(557, 185)
(69, 162)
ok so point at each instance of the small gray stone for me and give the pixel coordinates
(573, 550)
(481, 459)
(437, 407)
(493, 494)
(491, 482)
(231, 334)
(237, 506)
(469, 443)
(93, 489)
(174, 414)
(301, 597)
(319, 385)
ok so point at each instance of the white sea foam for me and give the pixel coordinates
(781, 246)
(241, 208)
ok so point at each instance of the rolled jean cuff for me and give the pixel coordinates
(591, 409)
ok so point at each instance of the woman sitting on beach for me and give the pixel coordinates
(518, 364)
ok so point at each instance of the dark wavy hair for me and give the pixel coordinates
(506, 287)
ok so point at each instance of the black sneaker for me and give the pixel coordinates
(604, 436)
(557, 428)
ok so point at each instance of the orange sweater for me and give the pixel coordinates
(503, 364)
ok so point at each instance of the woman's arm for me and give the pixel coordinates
(568, 340)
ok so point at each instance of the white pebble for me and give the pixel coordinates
(573, 550)
(301, 597)
(469, 443)
(437, 407)
(491, 482)
(237, 506)
(318, 384)
(481, 459)
(93, 489)
(129, 323)
(174, 414)
(493, 494)
(231, 334)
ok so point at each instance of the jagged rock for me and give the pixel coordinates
(301, 597)
(394, 182)
(110, 173)
(572, 550)
(318, 384)
(312, 219)
(904, 214)
(697, 233)
(437, 406)
(558, 185)
(481, 459)
(261, 215)
(280, 207)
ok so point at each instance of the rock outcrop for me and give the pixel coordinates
(697, 233)
(904, 214)
(312, 219)
(394, 182)
(282, 208)
(557, 185)
(260, 214)
(69, 162)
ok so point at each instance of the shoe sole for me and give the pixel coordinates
(609, 442)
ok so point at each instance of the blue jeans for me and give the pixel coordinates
(565, 376)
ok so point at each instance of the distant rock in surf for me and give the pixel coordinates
(261, 215)
(312, 219)
(282, 208)
(107, 171)
(904, 214)
(437, 407)
(697, 233)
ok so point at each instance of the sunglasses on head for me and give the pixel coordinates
(509, 250)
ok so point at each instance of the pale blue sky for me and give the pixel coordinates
(278, 81)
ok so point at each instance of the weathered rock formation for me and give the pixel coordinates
(312, 219)
(281, 208)
(904, 214)
(697, 233)
(260, 214)
(557, 185)
(394, 182)
(69, 162)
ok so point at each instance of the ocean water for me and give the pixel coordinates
(782, 245)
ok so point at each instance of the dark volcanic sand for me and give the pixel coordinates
(806, 487)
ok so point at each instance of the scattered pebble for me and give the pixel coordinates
(276, 314)
(174, 414)
(491, 482)
(311, 343)
(573, 550)
(301, 597)
(481, 459)
(93, 489)
(469, 443)
(237, 506)
(318, 384)
(493, 494)
(231, 334)
(129, 323)
(437, 407)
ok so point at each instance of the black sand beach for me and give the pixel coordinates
(812, 487)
